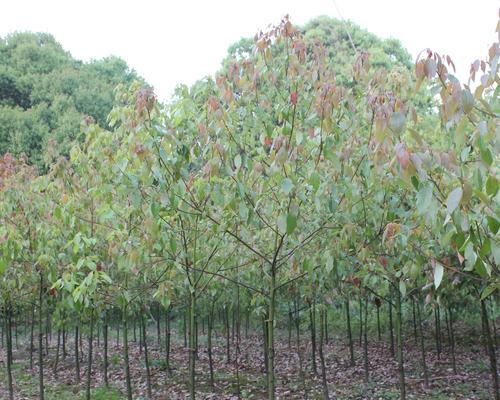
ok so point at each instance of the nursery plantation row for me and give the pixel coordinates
(319, 220)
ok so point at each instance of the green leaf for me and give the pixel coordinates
(491, 186)
(495, 251)
(424, 197)
(438, 274)
(493, 224)
(460, 132)
(315, 180)
(397, 122)
(485, 248)
(237, 161)
(470, 257)
(488, 290)
(291, 223)
(482, 196)
(481, 269)
(453, 200)
(173, 244)
(286, 186)
(486, 156)
(106, 277)
(414, 182)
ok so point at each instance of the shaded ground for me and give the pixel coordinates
(471, 382)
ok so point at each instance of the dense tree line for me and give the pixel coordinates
(45, 94)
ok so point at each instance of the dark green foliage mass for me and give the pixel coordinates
(45, 94)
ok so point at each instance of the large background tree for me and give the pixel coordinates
(339, 39)
(45, 94)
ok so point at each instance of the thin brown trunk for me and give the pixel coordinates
(312, 325)
(321, 355)
(90, 353)
(365, 343)
(422, 346)
(491, 352)
(349, 332)
(146, 359)
(8, 334)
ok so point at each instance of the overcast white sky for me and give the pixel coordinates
(172, 42)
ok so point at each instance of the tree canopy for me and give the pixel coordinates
(45, 94)
(340, 40)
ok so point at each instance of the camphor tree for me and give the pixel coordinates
(277, 159)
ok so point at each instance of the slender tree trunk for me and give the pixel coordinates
(270, 336)
(483, 330)
(414, 321)
(64, 353)
(422, 346)
(47, 331)
(349, 332)
(146, 359)
(141, 338)
(312, 317)
(451, 334)
(326, 325)
(56, 362)
(40, 341)
(299, 351)
(360, 320)
(493, 322)
(90, 352)
(399, 337)
(77, 355)
(167, 341)
(158, 324)
(264, 336)
(184, 326)
(247, 323)
(437, 332)
(491, 351)
(15, 324)
(196, 336)
(233, 324)
(209, 345)
(237, 320)
(8, 334)
(391, 326)
(192, 349)
(365, 343)
(80, 339)
(125, 353)
(32, 346)
(378, 323)
(321, 355)
(105, 340)
(2, 327)
(441, 334)
(226, 324)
